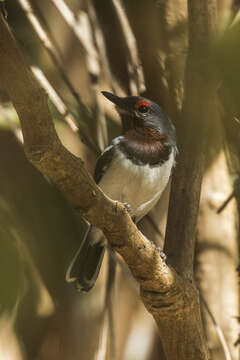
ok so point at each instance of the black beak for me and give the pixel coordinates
(114, 99)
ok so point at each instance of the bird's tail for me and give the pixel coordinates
(86, 263)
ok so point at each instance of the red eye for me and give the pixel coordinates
(143, 109)
(142, 106)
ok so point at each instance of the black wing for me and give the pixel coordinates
(103, 163)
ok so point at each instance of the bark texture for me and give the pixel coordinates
(169, 296)
(200, 91)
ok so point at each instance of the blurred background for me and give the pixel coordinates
(76, 48)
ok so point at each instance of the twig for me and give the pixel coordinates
(101, 47)
(54, 97)
(109, 303)
(226, 202)
(81, 27)
(236, 16)
(99, 40)
(136, 77)
(60, 106)
(235, 193)
(3, 8)
(107, 333)
(46, 38)
(49, 43)
(154, 225)
(100, 126)
(218, 330)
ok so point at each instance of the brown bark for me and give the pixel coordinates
(200, 91)
(171, 299)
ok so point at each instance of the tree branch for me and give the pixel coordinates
(200, 91)
(172, 300)
(42, 30)
(44, 149)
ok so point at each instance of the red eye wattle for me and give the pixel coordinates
(142, 103)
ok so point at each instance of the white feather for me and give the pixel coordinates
(139, 186)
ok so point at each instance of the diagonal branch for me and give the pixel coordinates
(81, 27)
(171, 300)
(44, 149)
(55, 98)
(41, 28)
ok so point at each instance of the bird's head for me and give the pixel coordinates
(140, 113)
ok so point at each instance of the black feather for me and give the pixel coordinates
(103, 163)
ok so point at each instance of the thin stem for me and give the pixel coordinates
(60, 106)
(226, 202)
(218, 330)
(41, 28)
(135, 70)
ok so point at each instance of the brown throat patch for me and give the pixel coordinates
(148, 134)
(146, 146)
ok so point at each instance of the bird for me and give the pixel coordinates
(134, 169)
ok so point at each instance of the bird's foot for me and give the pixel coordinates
(161, 253)
(127, 207)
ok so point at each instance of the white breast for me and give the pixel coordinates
(139, 186)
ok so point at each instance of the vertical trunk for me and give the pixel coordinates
(217, 256)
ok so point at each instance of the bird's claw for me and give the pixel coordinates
(161, 253)
(127, 207)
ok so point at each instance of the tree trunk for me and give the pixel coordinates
(217, 252)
